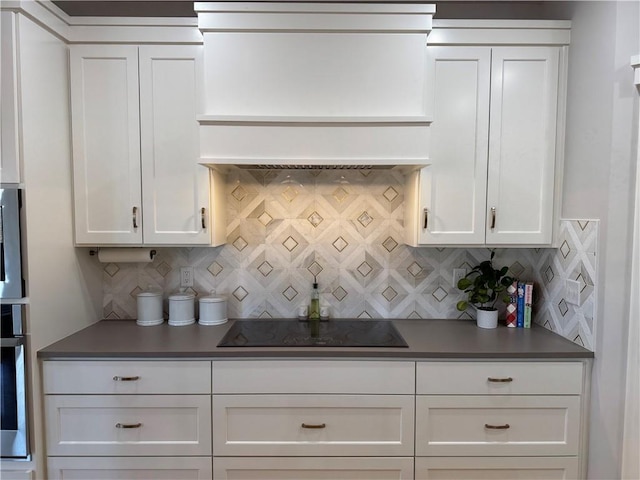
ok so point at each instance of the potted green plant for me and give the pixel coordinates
(484, 285)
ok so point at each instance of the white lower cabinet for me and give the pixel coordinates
(128, 419)
(500, 420)
(316, 419)
(129, 468)
(313, 468)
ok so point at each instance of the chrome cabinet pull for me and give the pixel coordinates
(134, 215)
(493, 218)
(497, 427)
(202, 216)
(500, 380)
(426, 218)
(118, 378)
(312, 425)
(128, 425)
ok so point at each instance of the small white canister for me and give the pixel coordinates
(181, 309)
(149, 308)
(213, 310)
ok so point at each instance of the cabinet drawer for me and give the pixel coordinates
(509, 468)
(128, 425)
(314, 376)
(299, 425)
(499, 378)
(346, 468)
(126, 377)
(129, 468)
(497, 425)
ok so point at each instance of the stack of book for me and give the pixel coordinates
(519, 306)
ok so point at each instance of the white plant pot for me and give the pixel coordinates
(487, 318)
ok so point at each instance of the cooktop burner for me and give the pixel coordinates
(294, 333)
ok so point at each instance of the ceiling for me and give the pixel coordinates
(122, 8)
(500, 9)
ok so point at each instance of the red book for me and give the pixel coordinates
(512, 306)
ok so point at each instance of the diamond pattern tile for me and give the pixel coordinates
(290, 243)
(265, 268)
(364, 269)
(390, 194)
(339, 293)
(346, 229)
(389, 294)
(340, 244)
(290, 293)
(240, 244)
(389, 244)
(365, 219)
(315, 219)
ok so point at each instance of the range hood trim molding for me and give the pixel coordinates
(314, 17)
(284, 119)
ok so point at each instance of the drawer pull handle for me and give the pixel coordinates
(126, 379)
(314, 425)
(500, 380)
(496, 427)
(128, 425)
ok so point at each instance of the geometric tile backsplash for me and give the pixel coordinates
(345, 228)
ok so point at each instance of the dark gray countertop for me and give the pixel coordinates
(427, 339)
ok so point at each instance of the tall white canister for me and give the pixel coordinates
(181, 309)
(213, 310)
(149, 308)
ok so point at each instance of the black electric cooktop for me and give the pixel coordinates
(294, 333)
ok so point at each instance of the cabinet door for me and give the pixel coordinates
(106, 144)
(453, 187)
(522, 145)
(9, 140)
(305, 468)
(176, 187)
(478, 468)
(129, 468)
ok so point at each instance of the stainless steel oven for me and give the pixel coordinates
(14, 442)
(11, 282)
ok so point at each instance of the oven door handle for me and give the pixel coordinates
(12, 342)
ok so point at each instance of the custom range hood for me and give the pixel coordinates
(314, 85)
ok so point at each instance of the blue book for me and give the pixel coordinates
(520, 317)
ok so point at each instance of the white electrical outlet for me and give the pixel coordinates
(458, 273)
(572, 292)
(186, 276)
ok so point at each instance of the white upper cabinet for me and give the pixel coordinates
(9, 136)
(135, 146)
(522, 145)
(175, 197)
(105, 126)
(494, 170)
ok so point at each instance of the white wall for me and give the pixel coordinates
(63, 286)
(599, 183)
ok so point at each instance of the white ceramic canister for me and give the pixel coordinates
(149, 308)
(181, 309)
(213, 310)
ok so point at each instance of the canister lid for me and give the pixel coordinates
(212, 299)
(182, 296)
(149, 294)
